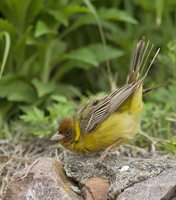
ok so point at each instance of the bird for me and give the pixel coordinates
(103, 123)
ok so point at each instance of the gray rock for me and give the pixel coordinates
(156, 188)
(81, 168)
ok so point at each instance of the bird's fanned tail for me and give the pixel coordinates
(138, 64)
(107, 105)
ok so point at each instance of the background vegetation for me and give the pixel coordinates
(55, 53)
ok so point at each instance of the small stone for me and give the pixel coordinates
(96, 188)
(124, 168)
(76, 190)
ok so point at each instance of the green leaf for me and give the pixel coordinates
(20, 13)
(61, 109)
(43, 29)
(4, 108)
(70, 10)
(59, 15)
(102, 14)
(33, 9)
(115, 14)
(34, 114)
(146, 5)
(59, 98)
(58, 48)
(27, 64)
(16, 88)
(83, 20)
(6, 51)
(19, 50)
(70, 64)
(43, 89)
(65, 89)
(99, 55)
(5, 25)
(102, 53)
(82, 54)
(38, 113)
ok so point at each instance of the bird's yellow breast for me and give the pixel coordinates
(123, 123)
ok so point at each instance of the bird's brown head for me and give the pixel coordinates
(66, 132)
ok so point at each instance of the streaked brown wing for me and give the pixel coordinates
(107, 106)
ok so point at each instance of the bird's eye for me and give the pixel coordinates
(67, 133)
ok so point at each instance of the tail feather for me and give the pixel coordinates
(147, 90)
(138, 64)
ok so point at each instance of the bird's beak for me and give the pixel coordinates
(57, 136)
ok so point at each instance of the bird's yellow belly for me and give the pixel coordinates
(117, 126)
(122, 124)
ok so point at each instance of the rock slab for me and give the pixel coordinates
(162, 187)
(46, 180)
(121, 172)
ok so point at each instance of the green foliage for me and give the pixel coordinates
(39, 56)
(159, 115)
(52, 51)
(38, 123)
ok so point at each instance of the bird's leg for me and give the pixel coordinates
(103, 155)
(30, 168)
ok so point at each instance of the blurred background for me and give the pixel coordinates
(55, 53)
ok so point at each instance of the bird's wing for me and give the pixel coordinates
(100, 111)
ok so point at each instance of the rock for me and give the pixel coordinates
(153, 178)
(46, 180)
(122, 172)
(161, 187)
(96, 189)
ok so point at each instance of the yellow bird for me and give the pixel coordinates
(102, 123)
